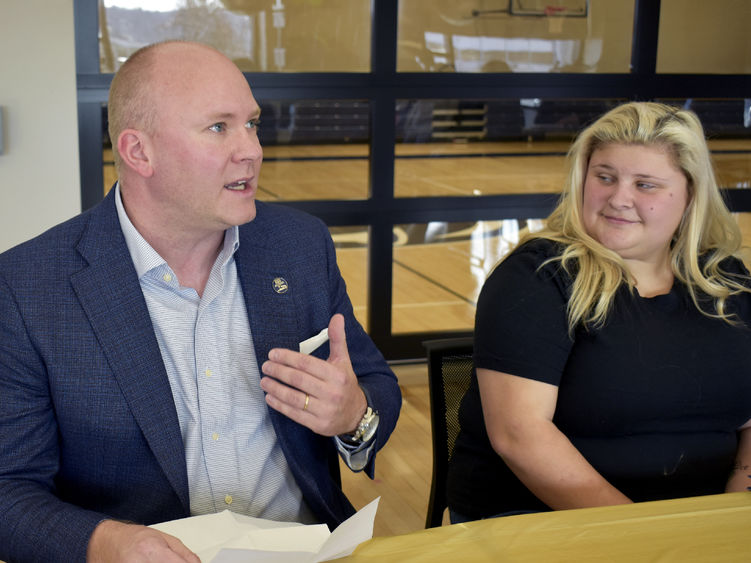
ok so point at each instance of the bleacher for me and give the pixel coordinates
(424, 121)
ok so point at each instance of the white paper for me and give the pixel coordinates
(245, 556)
(227, 537)
(350, 533)
(312, 343)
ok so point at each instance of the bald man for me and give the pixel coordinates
(150, 363)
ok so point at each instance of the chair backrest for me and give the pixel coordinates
(450, 367)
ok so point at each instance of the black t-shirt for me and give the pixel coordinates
(652, 399)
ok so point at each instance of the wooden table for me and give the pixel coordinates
(714, 528)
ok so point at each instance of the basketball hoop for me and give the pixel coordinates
(554, 10)
(555, 15)
(557, 9)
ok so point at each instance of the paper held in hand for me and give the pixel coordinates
(227, 537)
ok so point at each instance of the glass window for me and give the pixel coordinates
(744, 221)
(727, 126)
(108, 169)
(108, 161)
(732, 160)
(352, 256)
(515, 36)
(259, 35)
(487, 147)
(704, 37)
(312, 150)
(439, 269)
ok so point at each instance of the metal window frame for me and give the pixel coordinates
(382, 87)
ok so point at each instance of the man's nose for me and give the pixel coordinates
(248, 146)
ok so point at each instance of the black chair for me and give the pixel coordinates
(450, 367)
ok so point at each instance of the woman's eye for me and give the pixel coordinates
(252, 124)
(605, 179)
(218, 127)
(645, 186)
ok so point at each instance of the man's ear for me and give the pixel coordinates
(132, 145)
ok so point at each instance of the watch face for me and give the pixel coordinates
(371, 428)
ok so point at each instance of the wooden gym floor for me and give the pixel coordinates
(404, 467)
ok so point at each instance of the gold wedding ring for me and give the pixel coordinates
(307, 399)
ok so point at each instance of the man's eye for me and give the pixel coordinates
(218, 127)
(252, 123)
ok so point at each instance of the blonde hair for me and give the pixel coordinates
(706, 236)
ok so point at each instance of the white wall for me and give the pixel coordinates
(39, 174)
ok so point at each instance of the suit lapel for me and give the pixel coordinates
(270, 291)
(111, 296)
(275, 298)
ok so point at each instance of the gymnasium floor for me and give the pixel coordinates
(404, 466)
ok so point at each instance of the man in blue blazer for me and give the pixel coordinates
(137, 339)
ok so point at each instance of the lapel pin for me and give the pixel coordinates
(280, 285)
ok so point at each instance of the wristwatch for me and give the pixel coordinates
(366, 429)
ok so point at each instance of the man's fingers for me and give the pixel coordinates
(290, 384)
(292, 367)
(338, 339)
(118, 542)
(311, 418)
(322, 395)
(179, 548)
(293, 397)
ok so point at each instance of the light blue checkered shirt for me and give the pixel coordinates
(233, 456)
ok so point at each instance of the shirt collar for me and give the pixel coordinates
(231, 244)
(144, 257)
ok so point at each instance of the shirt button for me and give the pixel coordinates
(167, 277)
(208, 373)
(228, 499)
(215, 436)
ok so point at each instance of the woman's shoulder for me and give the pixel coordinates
(536, 252)
(734, 266)
(533, 259)
(731, 268)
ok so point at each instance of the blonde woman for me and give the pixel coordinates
(613, 348)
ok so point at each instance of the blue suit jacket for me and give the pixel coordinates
(88, 428)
